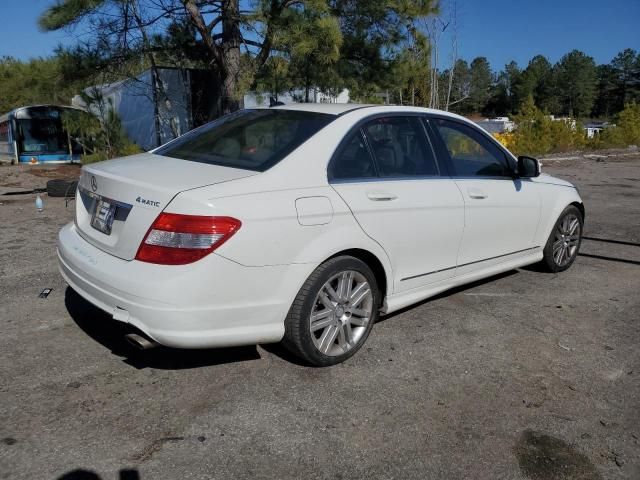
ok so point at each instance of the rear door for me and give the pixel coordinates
(501, 211)
(386, 172)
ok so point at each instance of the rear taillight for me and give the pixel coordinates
(175, 239)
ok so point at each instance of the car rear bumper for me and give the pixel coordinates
(214, 302)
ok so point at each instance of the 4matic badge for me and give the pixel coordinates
(145, 201)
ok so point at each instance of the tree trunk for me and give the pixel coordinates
(156, 84)
(454, 52)
(186, 85)
(155, 81)
(231, 40)
(307, 87)
(70, 147)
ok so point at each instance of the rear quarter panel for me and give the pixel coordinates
(271, 233)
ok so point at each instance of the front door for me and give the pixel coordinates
(501, 211)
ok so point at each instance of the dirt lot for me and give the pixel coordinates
(526, 375)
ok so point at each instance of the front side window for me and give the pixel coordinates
(471, 153)
(400, 147)
(353, 160)
(248, 139)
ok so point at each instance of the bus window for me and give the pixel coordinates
(40, 132)
(42, 135)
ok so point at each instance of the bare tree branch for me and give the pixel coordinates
(198, 21)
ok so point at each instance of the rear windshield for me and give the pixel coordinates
(247, 139)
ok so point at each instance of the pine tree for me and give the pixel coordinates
(480, 84)
(626, 70)
(577, 82)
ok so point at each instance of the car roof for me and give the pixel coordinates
(343, 108)
(329, 108)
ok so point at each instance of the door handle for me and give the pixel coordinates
(381, 196)
(476, 193)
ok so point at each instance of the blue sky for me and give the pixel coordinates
(500, 30)
(517, 30)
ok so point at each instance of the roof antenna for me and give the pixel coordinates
(274, 103)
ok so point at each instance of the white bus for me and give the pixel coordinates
(35, 135)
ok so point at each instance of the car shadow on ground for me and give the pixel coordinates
(619, 243)
(278, 350)
(110, 333)
(80, 474)
(448, 293)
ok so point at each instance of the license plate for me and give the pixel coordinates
(103, 215)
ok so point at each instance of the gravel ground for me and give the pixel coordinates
(525, 375)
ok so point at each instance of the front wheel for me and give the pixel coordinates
(333, 313)
(563, 244)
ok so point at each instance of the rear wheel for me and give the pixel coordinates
(563, 244)
(333, 313)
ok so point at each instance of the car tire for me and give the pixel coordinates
(562, 248)
(61, 188)
(329, 321)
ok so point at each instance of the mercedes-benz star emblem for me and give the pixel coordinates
(94, 184)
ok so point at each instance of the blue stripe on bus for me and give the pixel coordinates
(46, 158)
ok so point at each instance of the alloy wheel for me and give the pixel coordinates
(567, 239)
(341, 312)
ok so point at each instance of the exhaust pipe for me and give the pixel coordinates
(140, 342)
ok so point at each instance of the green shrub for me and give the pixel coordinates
(126, 148)
(129, 148)
(538, 134)
(94, 157)
(101, 136)
(626, 131)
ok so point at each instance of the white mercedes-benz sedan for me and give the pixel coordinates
(303, 223)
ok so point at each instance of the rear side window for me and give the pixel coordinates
(400, 147)
(248, 139)
(471, 153)
(353, 160)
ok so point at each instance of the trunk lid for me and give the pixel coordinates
(119, 199)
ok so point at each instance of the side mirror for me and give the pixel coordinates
(528, 167)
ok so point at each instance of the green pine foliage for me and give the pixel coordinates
(36, 81)
(539, 134)
(576, 83)
(481, 81)
(100, 135)
(626, 131)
